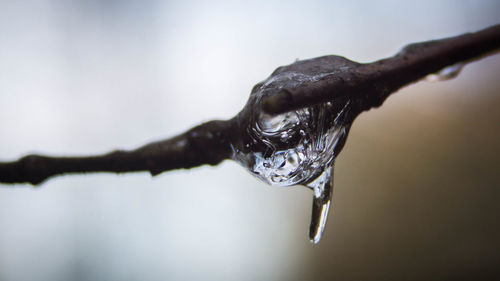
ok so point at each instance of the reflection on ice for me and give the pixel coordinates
(297, 147)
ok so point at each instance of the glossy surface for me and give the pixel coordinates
(297, 147)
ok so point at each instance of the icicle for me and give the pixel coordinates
(300, 146)
(323, 189)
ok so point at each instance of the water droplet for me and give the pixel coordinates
(297, 147)
(323, 189)
(446, 73)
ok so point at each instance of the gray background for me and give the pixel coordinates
(416, 193)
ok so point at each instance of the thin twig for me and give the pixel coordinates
(210, 143)
(204, 144)
(374, 82)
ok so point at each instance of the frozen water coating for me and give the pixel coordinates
(297, 147)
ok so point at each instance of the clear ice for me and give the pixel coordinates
(446, 73)
(297, 147)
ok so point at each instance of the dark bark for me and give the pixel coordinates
(210, 143)
(204, 144)
(374, 82)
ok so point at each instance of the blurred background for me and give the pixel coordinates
(417, 185)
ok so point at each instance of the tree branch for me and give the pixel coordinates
(203, 144)
(373, 82)
(210, 143)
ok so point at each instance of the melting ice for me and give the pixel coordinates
(297, 147)
(446, 73)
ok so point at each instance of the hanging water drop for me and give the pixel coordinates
(446, 73)
(300, 146)
(323, 189)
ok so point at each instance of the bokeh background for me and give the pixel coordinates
(417, 186)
